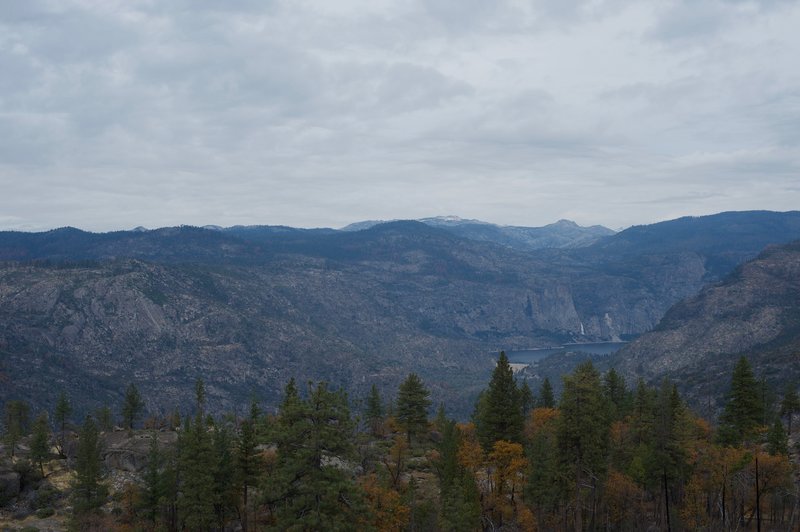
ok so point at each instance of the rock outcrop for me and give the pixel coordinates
(754, 312)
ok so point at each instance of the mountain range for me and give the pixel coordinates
(247, 307)
(562, 234)
(753, 312)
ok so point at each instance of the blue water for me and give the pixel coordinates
(526, 356)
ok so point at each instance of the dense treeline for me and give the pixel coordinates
(602, 457)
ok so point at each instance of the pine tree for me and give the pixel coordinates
(460, 503)
(62, 413)
(248, 465)
(583, 431)
(88, 493)
(196, 467)
(670, 460)
(412, 406)
(374, 412)
(744, 410)
(153, 489)
(501, 418)
(226, 492)
(16, 423)
(132, 406)
(309, 491)
(616, 393)
(105, 420)
(545, 482)
(546, 397)
(790, 405)
(200, 397)
(643, 415)
(778, 439)
(527, 402)
(40, 443)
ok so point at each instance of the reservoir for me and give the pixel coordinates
(527, 356)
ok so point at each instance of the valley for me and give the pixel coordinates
(245, 308)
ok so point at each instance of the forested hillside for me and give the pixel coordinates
(244, 308)
(603, 455)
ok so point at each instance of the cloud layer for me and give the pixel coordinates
(320, 113)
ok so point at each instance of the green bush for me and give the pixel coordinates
(41, 513)
(45, 496)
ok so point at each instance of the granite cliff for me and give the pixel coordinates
(247, 309)
(753, 312)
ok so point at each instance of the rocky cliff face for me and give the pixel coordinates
(754, 312)
(90, 313)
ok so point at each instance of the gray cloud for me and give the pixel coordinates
(117, 114)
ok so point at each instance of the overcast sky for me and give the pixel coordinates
(115, 114)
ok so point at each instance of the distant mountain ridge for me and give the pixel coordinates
(561, 234)
(246, 307)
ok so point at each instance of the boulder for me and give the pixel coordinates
(127, 451)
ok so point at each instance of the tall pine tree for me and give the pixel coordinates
(546, 396)
(40, 442)
(412, 406)
(500, 417)
(374, 412)
(132, 406)
(88, 493)
(744, 409)
(310, 489)
(197, 466)
(61, 415)
(16, 423)
(583, 432)
(790, 405)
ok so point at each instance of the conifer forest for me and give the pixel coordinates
(604, 455)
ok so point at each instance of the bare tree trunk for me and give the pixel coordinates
(578, 500)
(666, 501)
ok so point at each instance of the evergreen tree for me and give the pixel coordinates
(170, 486)
(526, 399)
(412, 406)
(374, 412)
(744, 409)
(777, 439)
(105, 420)
(248, 464)
(196, 468)
(226, 492)
(643, 418)
(200, 397)
(88, 493)
(545, 486)
(790, 405)
(501, 418)
(616, 393)
(460, 500)
(132, 406)
(61, 415)
(309, 490)
(546, 397)
(153, 489)
(40, 443)
(583, 431)
(16, 422)
(669, 458)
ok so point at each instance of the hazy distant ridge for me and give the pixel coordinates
(561, 234)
